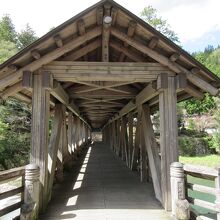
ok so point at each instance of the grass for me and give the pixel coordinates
(208, 160)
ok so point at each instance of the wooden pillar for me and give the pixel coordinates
(69, 132)
(152, 152)
(54, 145)
(39, 134)
(130, 138)
(168, 136)
(217, 187)
(137, 143)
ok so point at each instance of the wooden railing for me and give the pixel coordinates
(180, 184)
(6, 177)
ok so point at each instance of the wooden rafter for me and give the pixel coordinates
(12, 78)
(165, 61)
(83, 51)
(101, 85)
(131, 30)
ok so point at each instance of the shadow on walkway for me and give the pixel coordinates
(102, 187)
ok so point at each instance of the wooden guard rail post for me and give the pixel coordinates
(6, 176)
(217, 187)
(29, 210)
(180, 206)
(179, 188)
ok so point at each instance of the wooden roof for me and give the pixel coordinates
(101, 67)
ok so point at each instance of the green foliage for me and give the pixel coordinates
(26, 37)
(7, 29)
(149, 14)
(15, 117)
(195, 106)
(195, 146)
(216, 135)
(15, 121)
(7, 50)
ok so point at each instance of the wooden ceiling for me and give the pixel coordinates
(101, 60)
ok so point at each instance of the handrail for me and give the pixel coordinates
(207, 173)
(8, 175)
(180, 186)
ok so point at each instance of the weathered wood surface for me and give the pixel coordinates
(123, 196)
(12, 173)
(168, 137)
(40, 134)
(200, 171)
(152, 151)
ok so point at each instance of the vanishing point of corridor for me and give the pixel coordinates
(102, 187)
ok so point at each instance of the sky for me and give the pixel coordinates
(196, 22)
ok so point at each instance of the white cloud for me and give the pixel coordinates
(190, 19)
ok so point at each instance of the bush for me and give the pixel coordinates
(195, 146)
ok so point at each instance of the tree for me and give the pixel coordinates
(195, 106)
(7, 29)
(26, 37)
(7, 50)
(15, 122)
(149, 14)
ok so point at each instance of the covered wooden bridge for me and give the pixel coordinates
(104, 70)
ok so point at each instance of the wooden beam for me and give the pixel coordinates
(60, 94)
(27, 80)
(35, 54)
(82, 31)
(14, 77)
(105, 71)
(114, 13)
(127, 52)
(83, 51)
(22, 97)
(10, 91)
(190, 89)
(174, 57)
(153, 42)
(58, 40)
(145, 95)
(184, 84)
(107, 9)
(166, 62)
(130, 32)
(105, 38)
(153, 153)
(99, 16)
(54, 145)
(40, 134)
(168, 137)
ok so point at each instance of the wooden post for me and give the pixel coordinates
(130, 138)
(54, 145)
(177, 180)
(217, 187)
(39, 133)
(30, 208)
(168, 136)
(69, 132)
(151, 147)
(137, 143)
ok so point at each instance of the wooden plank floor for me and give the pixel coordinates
(104, 189)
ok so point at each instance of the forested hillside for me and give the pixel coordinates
(15, 117)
